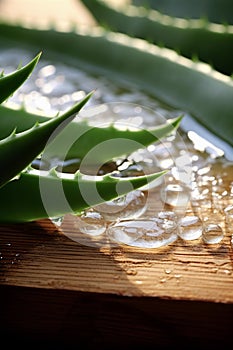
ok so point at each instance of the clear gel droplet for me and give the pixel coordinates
(175, 195)
(228, 211)
(212, 234)
(57, 221)
(130, 206)
(143, 233)
(88, 229)
(190, 228)
(169, 215)
(91, 223)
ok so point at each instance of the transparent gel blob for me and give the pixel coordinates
(212, 234)
(130, 206)
(91, 223)
(190, 228)
(176, 196)
(228, 211)
(149, 233)
(168, 215)
(88, 229)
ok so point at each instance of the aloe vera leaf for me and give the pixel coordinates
(181, 83)
(99, 145)
(210, 43)
(217, 11)
(18, 150)
(79, 140)
(33, 197)
(11, 82)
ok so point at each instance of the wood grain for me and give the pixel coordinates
(37, 255)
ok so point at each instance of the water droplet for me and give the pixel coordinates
(130, 206)
(164, 154)
(57, 221)
(162, 280)
(212, 234)
(143, 162)
(190, 228)
(175, 195)
(203, 171)
(131, 272)
(142, 233)
(177, 276)
(41, 164)
(88, 230)
(228, 211)
(205, 205)
(91, 223)
(198, 161)
(169, 215)
(138, 282)
(200, 193)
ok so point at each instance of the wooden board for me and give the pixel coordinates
(54, 290)
(38, 255)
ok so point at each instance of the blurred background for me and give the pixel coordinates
(44, 11)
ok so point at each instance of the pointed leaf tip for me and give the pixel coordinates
(11, 82)
(176, 121)
(32, 142)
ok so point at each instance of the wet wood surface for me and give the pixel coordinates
(38, 255)
(54, 289)
(50, 285)
(58, 290)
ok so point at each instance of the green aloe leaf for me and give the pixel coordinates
(26, 196)
(79, 138)
(180, 83)
(213, 10)
(17, 151)
(33, 197)
(211, 43)
(11, 82)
